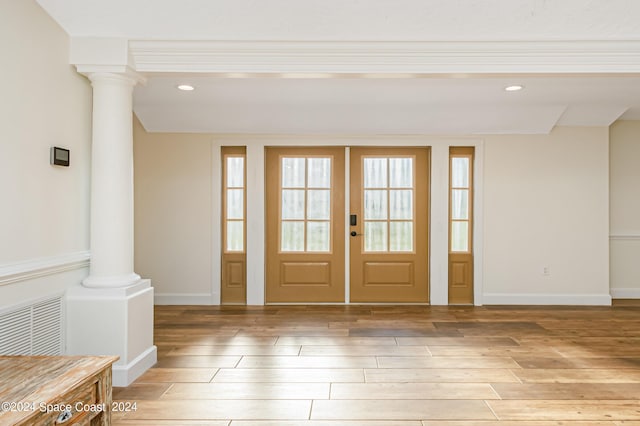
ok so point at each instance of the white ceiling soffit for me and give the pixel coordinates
(387, 105)
(344, 119)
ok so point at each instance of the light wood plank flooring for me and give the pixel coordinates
(390, 366)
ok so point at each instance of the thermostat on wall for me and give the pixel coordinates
(59, 156)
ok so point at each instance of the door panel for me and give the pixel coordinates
(389, 242)
(305, 225)
(388, 274)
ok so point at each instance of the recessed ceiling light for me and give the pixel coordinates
(514, 88)
(186, 87)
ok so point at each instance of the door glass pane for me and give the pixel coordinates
(319, 204)
(293, 203)
(319, 170)
(401, 204)
(401, 172)
(375, 204)
(318, 236)
(375, 236)
(306, 212)
(375, 172)
(235, 172)
(293, 172)
(292, 238)
(460, 204)
(401, 236)
(460, 236)
(235, 203)
(460, 172)
(235, 236)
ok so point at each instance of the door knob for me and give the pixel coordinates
(354, 234)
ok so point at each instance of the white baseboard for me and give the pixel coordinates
(546, 299)
(182, 299)
(625, 293)
(124, 375)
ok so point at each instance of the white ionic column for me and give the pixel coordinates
(112, 182)
(111, 313)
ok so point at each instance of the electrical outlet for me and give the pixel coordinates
(545, 270)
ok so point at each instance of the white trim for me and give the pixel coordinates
(124, 375)
(182, 299)
(118, 281)
(546, 299)
(623, 237)
(216, 224)
(256, 208)
(306, 140)
(439, 224)
(120, 71)
(347, 225)
(41, 267)
(387, 57)
(107, 293)
(478, 223)
(625, 293)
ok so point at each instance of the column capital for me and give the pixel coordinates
(101, 56)
(114, 74)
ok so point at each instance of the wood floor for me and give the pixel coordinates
(390, 366)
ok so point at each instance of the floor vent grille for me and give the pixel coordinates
(35, 329)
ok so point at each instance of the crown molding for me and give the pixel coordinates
(403, 57)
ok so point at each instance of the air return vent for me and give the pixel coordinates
(35, 329)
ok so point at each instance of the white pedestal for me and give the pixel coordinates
(113, 321)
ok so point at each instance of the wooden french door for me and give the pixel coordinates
(305, 225)
(389, 225)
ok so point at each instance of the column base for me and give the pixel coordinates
(113, 321)
(111, 282)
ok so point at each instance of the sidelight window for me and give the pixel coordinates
(460, 200)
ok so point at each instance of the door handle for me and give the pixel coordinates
(355, 234)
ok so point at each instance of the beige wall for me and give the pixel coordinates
(173, 220)
(44, 210)
(625, 208)
(545, 205)
(44, 102)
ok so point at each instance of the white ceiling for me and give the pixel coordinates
(387, 105)
(402, 20)
(442, 104)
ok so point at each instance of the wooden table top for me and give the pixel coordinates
(42, 379)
